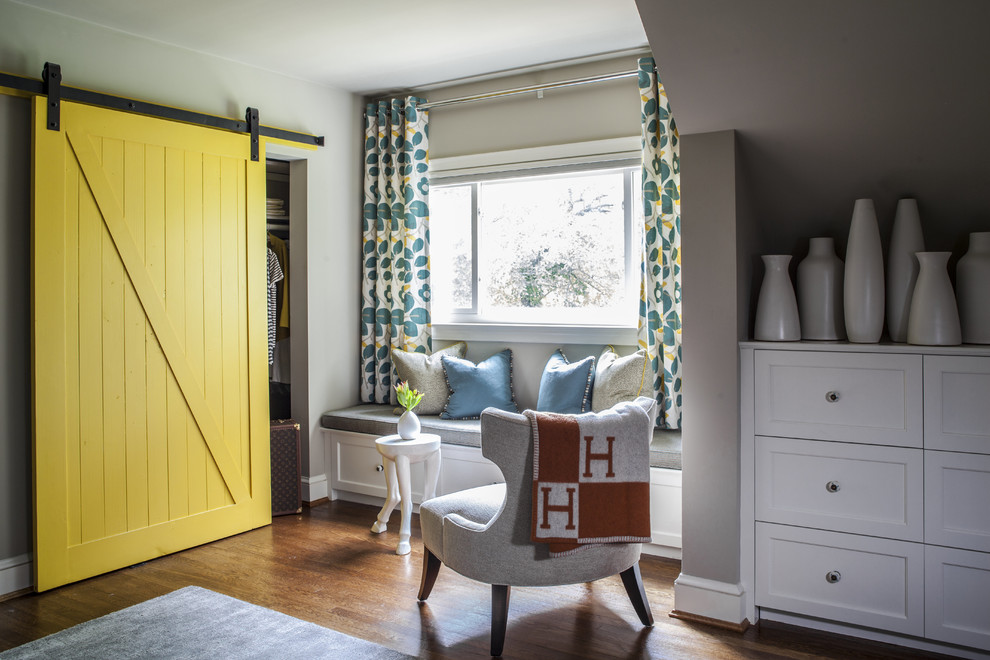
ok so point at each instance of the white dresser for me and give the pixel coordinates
(865, 484)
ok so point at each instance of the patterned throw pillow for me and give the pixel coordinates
(474, 387)
(566, 387)
(618, 378)
(425, 373)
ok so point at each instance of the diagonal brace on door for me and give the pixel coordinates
(154, 308)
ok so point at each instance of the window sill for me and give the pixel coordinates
(536, 333)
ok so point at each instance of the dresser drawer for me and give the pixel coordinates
(957, 403)
(861, 489)
(957, 596)
(855, 397)
(957, 500)
(878, 583)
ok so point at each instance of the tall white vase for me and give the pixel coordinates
(973, 289)
(777, 310)
(902, 267)
(934, 319)
(863, 286)
(819, 292)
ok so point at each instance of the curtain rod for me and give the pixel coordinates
(531, 88)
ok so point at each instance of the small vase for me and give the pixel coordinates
(902, 267)
(973, 289)
(863, 300)
(408, 425)
(819, 292)
(776, 310)
(934, 319)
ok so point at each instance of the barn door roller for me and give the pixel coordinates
(51, 78)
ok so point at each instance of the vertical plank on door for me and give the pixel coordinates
(72, 444)
(90, 358)
(195, 354)
(231, 314)
(213, 341)
(114, 460)
(175, 305)
(157, 373)
(135, 359)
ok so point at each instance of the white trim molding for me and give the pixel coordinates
(16, 574)
(710, 599)
(314, 488)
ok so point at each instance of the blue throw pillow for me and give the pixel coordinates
(474, 387)
(565, 387)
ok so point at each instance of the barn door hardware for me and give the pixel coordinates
(252, 121)
(51, 79)
(51, 86)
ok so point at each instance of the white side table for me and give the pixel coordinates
(399, 454)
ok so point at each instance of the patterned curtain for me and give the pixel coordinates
(660, 290)
(395, 286)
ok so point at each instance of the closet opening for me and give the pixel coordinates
(277, 212)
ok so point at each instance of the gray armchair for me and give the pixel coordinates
(484, 533)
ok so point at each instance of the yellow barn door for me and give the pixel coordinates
(149, 340)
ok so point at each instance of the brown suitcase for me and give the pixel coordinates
(286, 471)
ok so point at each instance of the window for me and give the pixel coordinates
(550, 245)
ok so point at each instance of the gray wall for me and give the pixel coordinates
(710, 311)
(831, 100)
(15, 345)
(101, 59)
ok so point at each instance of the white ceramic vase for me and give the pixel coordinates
(902, 267)
(973, 289)
(934, 319)
(408, 425)
(819, 292)
(776, 310)
(863, 286)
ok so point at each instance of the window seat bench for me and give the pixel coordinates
(354, 467)
(379, 419)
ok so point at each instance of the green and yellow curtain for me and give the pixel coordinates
(660, 289)
(395, 287)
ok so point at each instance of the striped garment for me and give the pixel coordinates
(275, 275)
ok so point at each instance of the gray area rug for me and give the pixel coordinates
(198, 623)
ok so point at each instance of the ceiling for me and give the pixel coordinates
(369, 47)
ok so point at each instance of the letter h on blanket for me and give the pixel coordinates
(591, 477)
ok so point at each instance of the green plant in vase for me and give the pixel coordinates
(409, 398)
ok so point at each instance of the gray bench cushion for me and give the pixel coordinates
(380, 419)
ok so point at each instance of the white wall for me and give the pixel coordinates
(117, 63)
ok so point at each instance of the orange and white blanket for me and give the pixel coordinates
(591, 478)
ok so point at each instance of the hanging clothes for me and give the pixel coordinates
(275, 275)
(281, 249)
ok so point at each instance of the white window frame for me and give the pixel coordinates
(600, 154)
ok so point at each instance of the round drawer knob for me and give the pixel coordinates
(832, 396)
(832, 486)
(833, 576)
(379, 468)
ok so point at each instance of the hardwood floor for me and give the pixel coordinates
(325, 566)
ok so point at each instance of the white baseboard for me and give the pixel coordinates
(711, 599)
(666, 551)
(16, 574)
(315, 488)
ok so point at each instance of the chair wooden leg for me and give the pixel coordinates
(633, 582)
(431, 566)
(500, 616)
